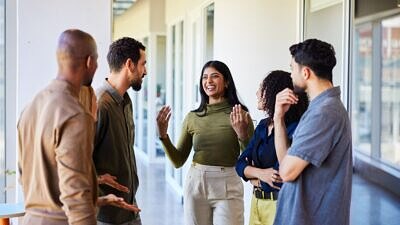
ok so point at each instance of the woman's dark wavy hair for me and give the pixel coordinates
(274, 83)
(230, 92)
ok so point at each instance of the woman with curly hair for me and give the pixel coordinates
(259, 162)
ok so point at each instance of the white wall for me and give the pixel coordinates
(175, 9)
(138, 21)
(135, 22)
(157, 16)
(253, 39)
(327, 25)
(39, 24)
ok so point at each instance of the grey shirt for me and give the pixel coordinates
(113, 150)
(322, 192)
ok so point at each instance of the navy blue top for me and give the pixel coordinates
(261, 150)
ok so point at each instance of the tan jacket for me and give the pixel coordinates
(55, 157)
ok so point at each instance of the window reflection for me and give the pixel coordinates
(2, 101)
(362, 89)
(390, 91)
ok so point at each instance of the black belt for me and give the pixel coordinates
(260, 194)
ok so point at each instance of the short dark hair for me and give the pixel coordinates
(275, 82)
(230, 92)
(316, 54)
(121, 50)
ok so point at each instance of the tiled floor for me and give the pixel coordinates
(371, 205)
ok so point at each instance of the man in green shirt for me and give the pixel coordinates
(113, 151)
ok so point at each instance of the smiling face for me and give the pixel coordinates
(214, 84)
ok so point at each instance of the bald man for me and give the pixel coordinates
(56, 141)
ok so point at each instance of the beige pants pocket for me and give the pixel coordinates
(215, 187)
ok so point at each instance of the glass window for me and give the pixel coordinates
(2, 101)
(145, 90)
(209, 32)
(161, 84)
(362, 89)
(390, 91)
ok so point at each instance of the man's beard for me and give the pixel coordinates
(136, 85)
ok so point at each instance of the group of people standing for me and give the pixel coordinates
(298, 159)
(74, 147)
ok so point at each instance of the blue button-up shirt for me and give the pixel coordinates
(261, 151)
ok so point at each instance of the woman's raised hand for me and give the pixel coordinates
(162, 121)
(240, 122)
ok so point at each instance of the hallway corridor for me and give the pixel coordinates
(157, 200)
(371, 205)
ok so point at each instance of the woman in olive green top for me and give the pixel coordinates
(217, 130)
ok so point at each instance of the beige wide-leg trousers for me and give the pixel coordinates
(213, 195)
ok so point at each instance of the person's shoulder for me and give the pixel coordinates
(191, 115)
(70, 106)
(327, 114)
(261, 127)
(60, 99)
(64, 106)
(332, 108)
(262, 124)
(104, 99)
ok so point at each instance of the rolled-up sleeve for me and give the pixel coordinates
(313, 138)
(74, 142)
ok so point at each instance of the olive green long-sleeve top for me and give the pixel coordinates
(212, 137)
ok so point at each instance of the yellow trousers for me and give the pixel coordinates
(262, 211)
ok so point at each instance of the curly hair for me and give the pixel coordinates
(317, 55)
(275, 82)
(230, 92)
(121, 50)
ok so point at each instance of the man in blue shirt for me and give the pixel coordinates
(317, 168)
